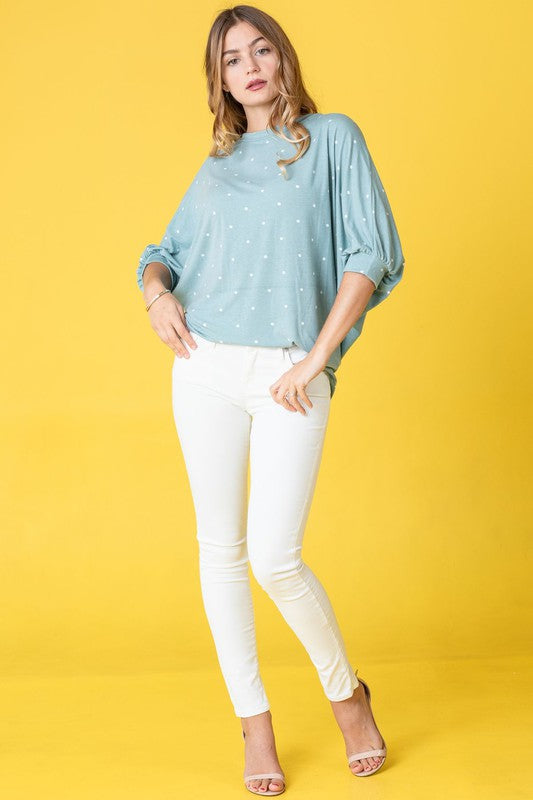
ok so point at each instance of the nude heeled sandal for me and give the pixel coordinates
(261, 775)
(381, 751)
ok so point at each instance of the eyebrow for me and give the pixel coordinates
(250, 45)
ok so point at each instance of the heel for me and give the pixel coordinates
(378, 752)
(262, 775)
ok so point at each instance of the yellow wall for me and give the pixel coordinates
(422, 517)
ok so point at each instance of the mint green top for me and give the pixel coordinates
(257, 258)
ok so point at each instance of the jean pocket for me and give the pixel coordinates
(296, 354)
(319, 386)
(202, 343)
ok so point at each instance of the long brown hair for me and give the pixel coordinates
(292, 101)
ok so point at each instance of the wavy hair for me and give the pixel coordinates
(292, 101)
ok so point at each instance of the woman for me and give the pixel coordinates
(282, 243)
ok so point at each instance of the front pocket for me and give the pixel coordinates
(296, 354)
(202, 343)
(319, 386)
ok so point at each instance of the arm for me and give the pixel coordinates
(371, 262)
(167, 316)
(156, 278)
(350, 302)
(354, 293)
(160, 267)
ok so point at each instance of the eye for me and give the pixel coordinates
(229, 63)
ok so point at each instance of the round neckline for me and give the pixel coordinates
(257, 135)
(265, 134)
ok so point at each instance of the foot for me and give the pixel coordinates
(260, 752)
(354, 717)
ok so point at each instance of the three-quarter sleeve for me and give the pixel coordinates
(366, 234)
(166, 252)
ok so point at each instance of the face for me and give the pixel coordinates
(251, 58)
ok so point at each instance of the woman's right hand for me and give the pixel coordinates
(167, 318)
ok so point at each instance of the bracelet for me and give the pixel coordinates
(155, 298)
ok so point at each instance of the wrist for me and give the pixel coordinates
(318, 357)
(153, 287)
(155, 297)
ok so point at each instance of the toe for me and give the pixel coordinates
(356, 766)
(264, 785)
(275, 786)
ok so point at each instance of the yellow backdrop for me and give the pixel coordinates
(421, 522)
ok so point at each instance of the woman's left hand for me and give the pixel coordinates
(293, 383)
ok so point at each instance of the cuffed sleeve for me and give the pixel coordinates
(367, 236)
(167, 252)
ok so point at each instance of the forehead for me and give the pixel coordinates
(242, 36)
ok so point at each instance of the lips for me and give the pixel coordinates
(256, 85)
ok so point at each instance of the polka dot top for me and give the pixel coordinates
(256, 257)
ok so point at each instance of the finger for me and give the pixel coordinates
(287, 404)
(181, 336)
(295, 401)
(278, 395)
(181, 351)
(171, 339)
(290, 402)
(168, 328)
(185, 335)
(299, 393)
(304, 396)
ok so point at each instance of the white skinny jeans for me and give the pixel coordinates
(225, 417)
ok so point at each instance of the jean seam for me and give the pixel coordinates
(309, 586)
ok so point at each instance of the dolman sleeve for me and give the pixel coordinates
(366, 234)
(167, 252)
(175, 246)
